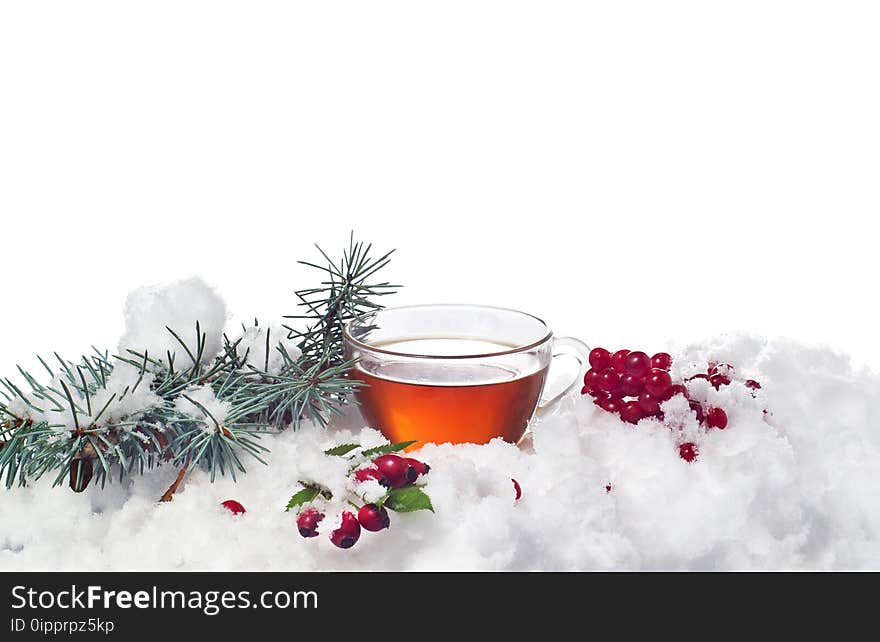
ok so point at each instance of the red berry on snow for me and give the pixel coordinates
(631, 385)
(611, 404)
(591, 379)
(697, 408)
(609, 381)
(517, 489)
(649, 404)
(658, 382)
(676, 389)
(608, 488)
(420, 467)
(600, 358)
(307, 522)
(638, 363)
(631, 412)
(373, 518)
(366, 474)
(599, 396)
(688, 451)
(716, 418)
(395, 469)
(233, 507)
(718, 380)
(754, 385)
(618, 361)
(348, 533)
(661, 360)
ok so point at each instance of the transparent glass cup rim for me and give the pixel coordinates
(346, 332)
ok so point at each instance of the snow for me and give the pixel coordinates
(796, 488)
(178, 305)
(253, 344)
(202, 404)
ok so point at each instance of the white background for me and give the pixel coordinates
(635, 172)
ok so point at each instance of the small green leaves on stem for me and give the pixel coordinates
(304, 496)
(407, 500)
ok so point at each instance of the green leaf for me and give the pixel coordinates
(388, 448)
(302, 497)
(341, 450)
(408, 500)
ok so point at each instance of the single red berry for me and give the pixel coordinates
(307, 522)
(348, 533)
(718, 380)
(420, 467)
(516, 489)
(658, 382)
(394, 468)
(754, 385)
(716, 418)
(599, 396)
(688, 451)
(631, 412)
(611, 404)
(591, 379)
(662, 360)
(638, 363)
(676, 389)
(608, 488)
(366, 474)
(600, 358)
(609, 381)
(373, 518)
(649, 404)
(697, 408)
(631, 385)
(618, 361)
(234, 507)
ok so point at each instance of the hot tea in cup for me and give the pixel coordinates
(453, 373)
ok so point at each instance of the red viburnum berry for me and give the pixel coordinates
(649, 404)
(688, 451)
(307, 522)
(662, 360)
(373, 518)
(631, 412)
(658, 382)
(591, 379)
(637, 363)
(366, 474)
(611, 404)
(233, 507)
(609, 380)
(676, 389)
(395, 469)
(618, 361)
(754, 385)
(600, 358)
(716, 418)
(348, 533)
(631, 385)
(517, 489)
(718, 380)
(698, 409)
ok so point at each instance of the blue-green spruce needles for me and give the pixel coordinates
(85, 427)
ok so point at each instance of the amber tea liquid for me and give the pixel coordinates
(449, 400)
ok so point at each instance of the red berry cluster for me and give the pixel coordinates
(614, 377)
(391, 471)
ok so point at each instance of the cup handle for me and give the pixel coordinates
(580, 351)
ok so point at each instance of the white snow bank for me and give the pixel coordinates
(799, 490)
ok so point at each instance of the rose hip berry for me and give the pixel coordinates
(395, 469)
(631, 385)
(233, 507)
(348, 533)
(662, 360)
(373, 518)
(307, 522)
(420, 467)
(637, 363)
(716, 418)
(658, 382)
(688, 451)
(618, 361)
(600, 358)
(366, 474)
(631, 412)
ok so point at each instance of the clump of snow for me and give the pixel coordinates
(200, 403)
(254, 341)
(178, 305)
(796, 488)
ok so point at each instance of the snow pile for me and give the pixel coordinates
(263, 348)
(797, 488)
